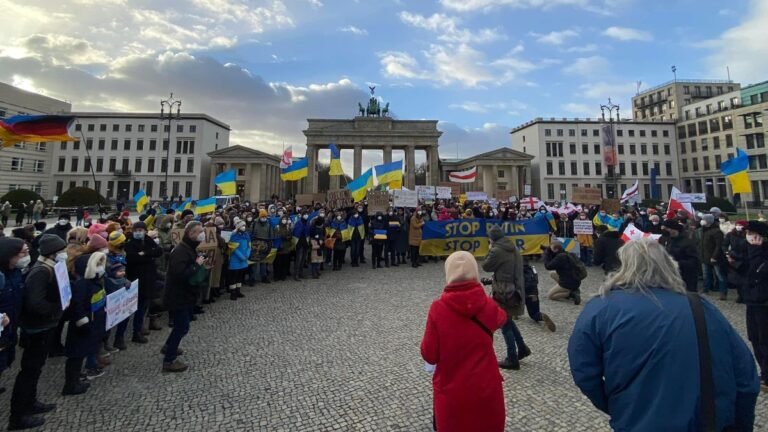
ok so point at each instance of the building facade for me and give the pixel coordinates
(258, 173)
(665, 102)
(27, 165)
(503, 169)
(127, 152)
(568, 153)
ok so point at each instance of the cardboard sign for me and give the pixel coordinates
(503, 195)
(426, 193)
(455, 188)
(585, 195)
(121, 304)
(610, 205)
(444, 192)
(226, 235)
(211, 241)
(378, 201)
(177, 234)
(583, 227)
(405, 198)
(477, 196)
(339, 199)
(692, 198)
(309, 199)
(65, 290)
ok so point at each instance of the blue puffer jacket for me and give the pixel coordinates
(239, 258)
(629, 347)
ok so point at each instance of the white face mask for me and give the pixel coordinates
(104, 251)
(280, 213)
(157, 241)
(61, 257)
(419, 213)
(139, 235)
(201, 237)
(378, 217)
(321, 214)
(23, 262)
(703, 223)
(100, 271)
(63, 222)
(338, 218)
(739, 228)
(242, 229)
(753, 239)
(250, 219)
(305, 217)
(262, 220)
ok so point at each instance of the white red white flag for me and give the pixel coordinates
(675, 205)
(467, 176)
(631, 192)
(287, 159)
(634, 233)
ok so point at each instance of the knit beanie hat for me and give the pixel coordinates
(461, 266)
(50, 244)
(97, 242)
(116, 239)
(239, 224)
(716, 211)
(139, 225)
(496, 233)
(709, 219)
(95, 229)
(263, 213)
(186, 213)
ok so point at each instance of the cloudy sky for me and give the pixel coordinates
(481, 67)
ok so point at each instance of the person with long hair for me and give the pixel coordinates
(637, 341)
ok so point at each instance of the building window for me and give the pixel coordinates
(695, 162)
(584, 132)
(177, 165)
(642, 132)
(728, 141)
(165, 145)
(140, 145)
(595, 132)
(549, 168)
(110, 189)
(667, 149)
(693, 146)
(127, 145)
(499, 173)
(91, 128)
(163, 165)
(685, 165)
(655, 149)
(102, 144)
(178, 147)
(41, 147)
(72, 184)
(622, 168)
(574, 168)
(141, 128)
(112, 164)
(102, 128)
(631, 133)
(151, 165)
(619, 132)
(179, 128)
(59, 188)
(703, 127)
(705, 159)
(148, 188)
(137, 165)
(175, 188)
(727, 122)
(17, 164)
(621, 149)
(597, 149)
(598, 168)
(654, 133)
(550, 191)
(572, 148)
(665, 133)
(718, 161)
(632, 149)
(547, 132)
(633, 167)
(716, 142)
(188, 189)
(152, 145)
(62, 164)
(190, 165)
(99, 164)
(585, 149)
(681, 132)
(74, 164)
(115, 128)
(644, 149)
(166, 128)
(192, 129)
(153, 128)
(561, 168)
(645, 168)
(113, 144)
(76, 145)
(549, 149)
(87, 165)
(125, 161)
(586, 168)
(668, 168)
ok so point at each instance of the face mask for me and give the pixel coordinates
(305, 217)
(642, 213)
(262, 220)
(100, 271)
(321, 214)
(138, 235)
(338, 218)
(419, 213)
(157, 241)
(242, 229)
(739, 228)
(63, 222)
(602, 214)
(104, 251)
(542, 211)
(703, 223)
(390, 213)
(356, 216)
(201, 237)
(280, 213)
(378, 217)
(582, 217)
(360, 209)
(753, 239)
(87, 225)
(168, 226)
(250, 219)
(655, 223)
(284, 221)
(61, 257)
(23, 262)
(722, 220)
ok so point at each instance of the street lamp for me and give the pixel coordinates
(612, 168)
(170, 103)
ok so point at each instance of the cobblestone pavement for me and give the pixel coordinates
(338, 354)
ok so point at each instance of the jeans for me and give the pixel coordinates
(376, 254)
(301, 260)
(532, 305)
(720, 275)
(513, 339)
(90, 362)
(586, 256)
(181, 318)
(357, 250)
(391, 249)
(32, 361)
(315, 269)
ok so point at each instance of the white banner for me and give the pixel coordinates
(426, 193)
(692, 198)
(121, 304)
(477, 196)
(444, 192)
(583, 227)
(405, 198)
(65, 290)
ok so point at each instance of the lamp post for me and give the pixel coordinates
(612, 175)
(170, 103)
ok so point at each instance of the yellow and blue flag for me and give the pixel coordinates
(186, 205)
(207, 205)
(141, 200)
(296, 171)
(735, 170)
(442, 238)
(359, 186)
(335, 161)
(226, 181)
(570, 245)
(390, 173)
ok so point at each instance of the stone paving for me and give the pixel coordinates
(338, 354)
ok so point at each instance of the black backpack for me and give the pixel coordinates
(580, 269)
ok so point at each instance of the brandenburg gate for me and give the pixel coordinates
(374, 129)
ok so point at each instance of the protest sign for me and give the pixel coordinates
(692, 198)
(583, 227)
(503, 195)
(176, 235)
(405, 198)
(444, 192)
(378, 201)
(527, 189)
(477, 196)
(455, 188)
(211, 240)
(471, 235)
(226, 235)
(339, 199)
(121, 304)
(610, 205)
(586, 195)
(65, 290)
(426, 193)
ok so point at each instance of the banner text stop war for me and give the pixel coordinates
(471, 235)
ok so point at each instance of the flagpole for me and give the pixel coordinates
(746, 209)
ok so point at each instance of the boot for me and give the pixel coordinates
(154, 323)
(548, 323)
(509, 364)
(523, 351)
(25, 422)
(75, 389)
(175, 366)
(41, 408)
(239, 293)
(386, 262)
(120, 344)
(139, 339)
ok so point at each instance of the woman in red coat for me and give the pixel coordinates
(458, 341)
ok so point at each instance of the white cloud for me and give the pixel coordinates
(398, 64)
(354, 30)
(588, 66)
(316, 3)
(603, 7)
(726, 12)
(582, 48)
(581, 109)
(743, 48)
(448, 28)
(555, 37)
(603, 90)
(470, 141)
(628, 34)
(482, 108)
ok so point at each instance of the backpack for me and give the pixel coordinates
(581, 269)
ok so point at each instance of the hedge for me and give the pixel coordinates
(80, 196)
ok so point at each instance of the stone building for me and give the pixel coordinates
(258, 173)
(502, 169)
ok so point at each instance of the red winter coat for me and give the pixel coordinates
(467, 383)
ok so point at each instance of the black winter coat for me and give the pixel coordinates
(563, 264)
(41, 301)
(606, 251)
(711, 244)
(683, 250)
(88, 302)
(755, 289)
(142, 267)
(735, 247)
(179, 292)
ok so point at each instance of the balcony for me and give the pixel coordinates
(122, 173)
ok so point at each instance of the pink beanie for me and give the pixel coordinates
(97, 242)
(461, 266)
(96, 228)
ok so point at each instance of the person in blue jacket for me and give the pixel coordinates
(238, 261)
(634, 351)
(14, 258)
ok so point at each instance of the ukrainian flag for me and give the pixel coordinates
(735, 170)
(141, 200)
(391, 173)
(296, 171)
(226, 182)
(335, 161)
(207, 205)
(35, 128)
(359, 186)
(186, 205)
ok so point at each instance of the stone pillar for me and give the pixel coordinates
(387, 154)
(212, 186)
(433, 160)
(333, 182)
(410, 167)
(489, 181)
(247, 188)
(358, 162)
(312, 169)
(515, 183)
